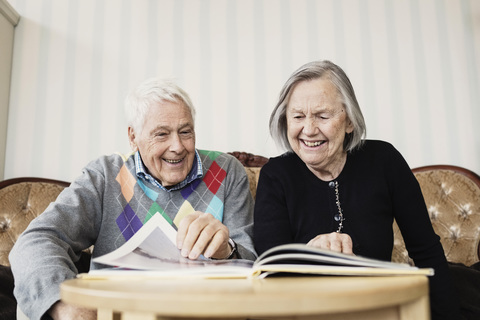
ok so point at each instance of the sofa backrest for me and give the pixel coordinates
(21, 200)
(253, 164)
(452, 196)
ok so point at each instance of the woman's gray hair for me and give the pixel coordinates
(311, 71)
(150, 92)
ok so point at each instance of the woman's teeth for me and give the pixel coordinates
(312, 144)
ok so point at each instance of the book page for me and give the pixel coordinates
(263, 271)
(300, 255)
(154, 239)
(152, 252)
(153, 248)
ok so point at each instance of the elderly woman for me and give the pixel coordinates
(203, 193)
(336, 191)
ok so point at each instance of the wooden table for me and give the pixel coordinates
(399, 297)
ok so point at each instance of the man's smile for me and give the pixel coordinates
(173, 161)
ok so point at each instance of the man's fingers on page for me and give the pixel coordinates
(195, 224)
(204, 238)
(183, 228)
(191, 223)
(218, 246)
(190, 232)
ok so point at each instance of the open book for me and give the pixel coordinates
(151, 252)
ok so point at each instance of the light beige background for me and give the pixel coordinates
(8, 20)
(414, 64)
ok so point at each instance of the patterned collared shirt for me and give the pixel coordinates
(195, 173)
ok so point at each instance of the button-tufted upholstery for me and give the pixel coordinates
(21, 200)
(452, 196)
(253, 164)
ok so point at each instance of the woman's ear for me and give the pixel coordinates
(131, 139)
(350, 127)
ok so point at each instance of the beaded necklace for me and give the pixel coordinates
(339, 216)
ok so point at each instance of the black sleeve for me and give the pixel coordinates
(422, 243)
(271, 219)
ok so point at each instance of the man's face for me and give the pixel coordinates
(166, 142)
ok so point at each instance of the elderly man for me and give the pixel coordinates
(204, 194)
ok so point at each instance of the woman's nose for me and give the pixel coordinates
(310, 127)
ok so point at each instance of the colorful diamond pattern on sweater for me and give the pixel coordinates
(188, 190)
(215, 207)
(127, 182)
(153, 210)
(211, 154)
(214, 177)
(205, 197)
(128, 222)
(185, 209)
(152, 195)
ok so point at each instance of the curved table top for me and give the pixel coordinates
(276, 296)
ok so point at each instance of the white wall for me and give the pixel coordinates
(415, 66)
(8, 20)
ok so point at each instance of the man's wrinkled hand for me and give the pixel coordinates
(200, 233)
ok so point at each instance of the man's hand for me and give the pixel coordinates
(63, 311)
(335, 241)
(199, 233)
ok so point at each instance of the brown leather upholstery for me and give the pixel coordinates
(249, 159)
(253, 164)
(21, 200)
(452, 195)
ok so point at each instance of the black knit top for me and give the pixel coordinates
(375, 187)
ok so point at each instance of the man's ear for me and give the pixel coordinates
(131, 139)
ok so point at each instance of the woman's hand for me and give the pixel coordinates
(200, 233)
(335, 241)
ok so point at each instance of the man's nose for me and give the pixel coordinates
(176, 143)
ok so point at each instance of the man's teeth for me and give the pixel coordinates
(312, 144)
(173, 161)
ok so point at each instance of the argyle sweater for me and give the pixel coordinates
(106, 205)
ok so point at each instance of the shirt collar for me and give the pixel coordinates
(195, 173)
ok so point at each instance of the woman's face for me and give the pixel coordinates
(317, 123)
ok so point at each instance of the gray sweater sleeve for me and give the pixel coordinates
(238, 214)
(43, 256)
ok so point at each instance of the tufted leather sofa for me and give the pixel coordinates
(452, 195)
(21, 200)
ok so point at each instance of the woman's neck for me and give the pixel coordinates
(332, 170)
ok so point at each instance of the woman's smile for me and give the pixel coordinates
(312, 144)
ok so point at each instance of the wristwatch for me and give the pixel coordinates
(234, 248)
